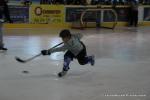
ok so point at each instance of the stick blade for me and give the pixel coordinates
(20, 60)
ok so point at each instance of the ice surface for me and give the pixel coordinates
(121, 71)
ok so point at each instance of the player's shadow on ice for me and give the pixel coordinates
(74, 74)
(41, 76)
(29, 76)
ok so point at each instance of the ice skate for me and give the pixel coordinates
(92, 60)
(62, 73)
(4, 49)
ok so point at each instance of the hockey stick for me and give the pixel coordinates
(29, 59)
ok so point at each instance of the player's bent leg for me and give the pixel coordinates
(87, 60)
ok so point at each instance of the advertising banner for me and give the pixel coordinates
(19, 14)
(47, 14)
(122, 14)
(73, 13)
(146, 14)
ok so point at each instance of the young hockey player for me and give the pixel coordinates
(74, 49)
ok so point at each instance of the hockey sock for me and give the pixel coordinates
(66, 63)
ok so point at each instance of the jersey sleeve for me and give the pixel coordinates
(58, 49)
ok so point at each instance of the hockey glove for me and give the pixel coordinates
(45, 52)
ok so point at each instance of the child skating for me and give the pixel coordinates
(74, 49)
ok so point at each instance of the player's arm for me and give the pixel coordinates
(58, 49)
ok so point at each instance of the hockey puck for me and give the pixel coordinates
(25, 72)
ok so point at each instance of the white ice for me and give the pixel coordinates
(121, 71)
